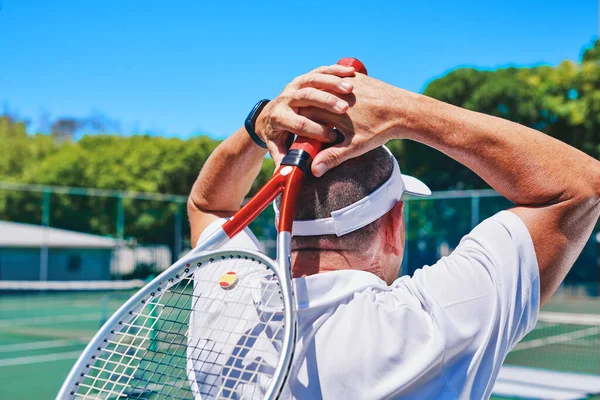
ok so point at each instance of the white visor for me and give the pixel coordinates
(364, 211)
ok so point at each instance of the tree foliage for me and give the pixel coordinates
(563, 101)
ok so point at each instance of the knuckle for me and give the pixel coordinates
(330, 99)
(300, 125)
(296, 81)
(333, 80)
(312, 79)
(334, 158)
(304, 95)
(284, 98)
(276, 118)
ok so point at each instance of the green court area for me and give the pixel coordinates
(566, 338)
(42, 334)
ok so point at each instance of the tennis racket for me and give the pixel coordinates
(216, 324)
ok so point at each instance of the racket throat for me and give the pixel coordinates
(298, 158)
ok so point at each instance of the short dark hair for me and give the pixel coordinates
(338, 188)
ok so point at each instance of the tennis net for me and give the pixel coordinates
(561, 342)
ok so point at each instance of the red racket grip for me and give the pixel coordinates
(353, 62)
(313, 146)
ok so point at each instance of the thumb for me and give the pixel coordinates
(277, 151)
(331, 158)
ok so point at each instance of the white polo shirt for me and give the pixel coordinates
(442, 333)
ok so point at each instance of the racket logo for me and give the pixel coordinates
(228, 280)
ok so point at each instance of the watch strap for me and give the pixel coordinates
(251, 120)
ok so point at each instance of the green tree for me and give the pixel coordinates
(20, 150)
(562, 101)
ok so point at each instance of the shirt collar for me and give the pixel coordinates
(331, 287)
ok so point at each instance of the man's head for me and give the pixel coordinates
(376, 247)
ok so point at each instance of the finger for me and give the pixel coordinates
(322, 116)
(335, 69)
(277, 152)
(302, 126)
(324, 82)
(311, 97)
(332, 157)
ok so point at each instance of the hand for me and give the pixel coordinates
(320, 89)
(376, 112)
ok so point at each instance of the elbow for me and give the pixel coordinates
(589, 197)
(198, 204)
(195, 204)
(589, 191)
(584, 196)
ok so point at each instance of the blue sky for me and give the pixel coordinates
(180, 68)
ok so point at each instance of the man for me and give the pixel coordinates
(444, 332)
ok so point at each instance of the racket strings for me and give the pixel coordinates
(195, 339)
(235, 373)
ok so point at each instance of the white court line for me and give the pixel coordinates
(45, 344)
(565, 337)
(10, 362)
(571, 319)
(7, 323)
(545, 325)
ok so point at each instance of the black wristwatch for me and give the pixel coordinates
(251, 120)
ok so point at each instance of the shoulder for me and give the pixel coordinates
(243, 240)
(502, 237)
(495, 257)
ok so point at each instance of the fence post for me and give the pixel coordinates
(177, 246)
(120, 217)
(46, 225)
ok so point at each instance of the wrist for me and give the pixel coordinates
(250, 123)
(409, 112)
(262, 122)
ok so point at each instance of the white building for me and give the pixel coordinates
(33, 252)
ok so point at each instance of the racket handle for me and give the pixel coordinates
(313, 146)
(353, 62)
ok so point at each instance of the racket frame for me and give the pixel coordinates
(287, 181)
(182, 269)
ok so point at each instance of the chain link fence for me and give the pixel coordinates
(66, 233)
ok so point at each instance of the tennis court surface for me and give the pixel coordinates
(43, 330)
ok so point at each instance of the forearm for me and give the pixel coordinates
(556, 187)
(524, 165)
(227, 175)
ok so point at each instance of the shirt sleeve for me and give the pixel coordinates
(243, 240)
(484, 297)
